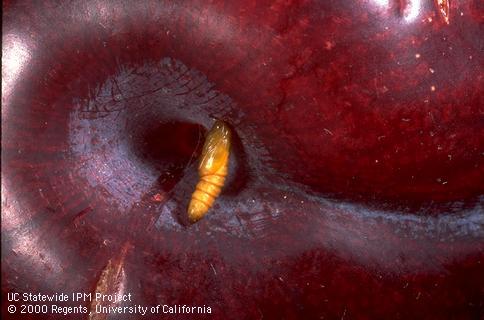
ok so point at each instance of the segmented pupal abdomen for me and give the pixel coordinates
(213, 169)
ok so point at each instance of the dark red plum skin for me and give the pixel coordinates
(355, 189)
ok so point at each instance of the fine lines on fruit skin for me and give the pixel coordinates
(148, 87)
(112, 281)
(213, 169)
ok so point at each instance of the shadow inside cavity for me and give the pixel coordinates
(169, 148)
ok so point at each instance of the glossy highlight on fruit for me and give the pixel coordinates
(354, 188)
(213, 169)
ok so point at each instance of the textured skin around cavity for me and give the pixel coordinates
(213, 169)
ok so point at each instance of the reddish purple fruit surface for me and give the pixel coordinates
(355, 187)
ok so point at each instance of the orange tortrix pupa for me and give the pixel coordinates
(213, 169)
